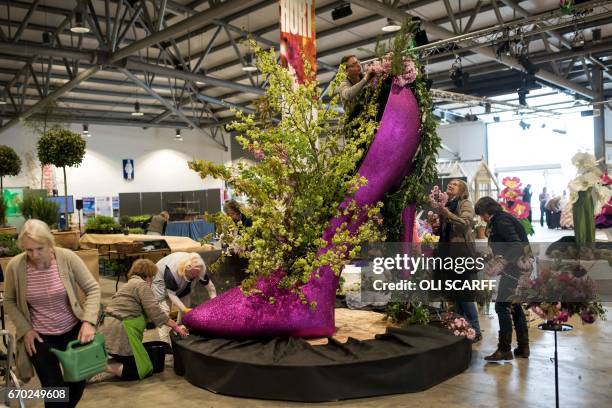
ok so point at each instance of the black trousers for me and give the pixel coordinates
(48, 369)
(130, 370)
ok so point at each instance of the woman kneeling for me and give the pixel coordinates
(124, 323)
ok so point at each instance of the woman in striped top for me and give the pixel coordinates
(42, 300)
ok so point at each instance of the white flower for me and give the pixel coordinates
(584, 161)
(584, 181)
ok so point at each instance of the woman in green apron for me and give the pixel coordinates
(125, 323)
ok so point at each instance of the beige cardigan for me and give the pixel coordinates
(73, 273)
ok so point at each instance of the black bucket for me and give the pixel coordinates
(157, 353)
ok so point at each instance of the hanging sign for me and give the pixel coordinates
(128, 169)
(298, 42)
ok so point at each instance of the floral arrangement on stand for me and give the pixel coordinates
(560, 291)
(458, 326)
(511, 201)
(588, 191)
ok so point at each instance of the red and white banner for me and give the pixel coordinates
(47, 178)
(297, 29)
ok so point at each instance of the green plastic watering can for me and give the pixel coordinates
(81, 361)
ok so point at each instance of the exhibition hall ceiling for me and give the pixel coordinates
(182, 61)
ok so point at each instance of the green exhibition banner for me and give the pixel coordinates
(13, 198)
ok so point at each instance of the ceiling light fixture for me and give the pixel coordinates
(79, 26)
(529, 66)
(391, 26)
(3, 100)
(137, 111)
(249, 66)
(341, 11)
(458, 76)
(86, 130)
(524, 125)
(177, 135)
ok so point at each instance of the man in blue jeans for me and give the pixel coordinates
(543, 197)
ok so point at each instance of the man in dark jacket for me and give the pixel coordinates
(507, 238)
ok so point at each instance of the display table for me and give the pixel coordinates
(195, 229)
(176, 244)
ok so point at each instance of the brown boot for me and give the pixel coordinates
(522, 349)
(504, 348)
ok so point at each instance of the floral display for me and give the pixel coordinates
(603, 220)
(382, 68)
(559, 292)
(589, 191)
(458, 326)
(511, 201)
(437, 197)
(306, 167)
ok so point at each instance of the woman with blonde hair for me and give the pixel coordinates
(124, 323)
(42, 299)
(457, 240)
(177, 275)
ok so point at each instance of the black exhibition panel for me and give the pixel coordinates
(129, 204)
(151, 203)
(400, 361)
(213, 200)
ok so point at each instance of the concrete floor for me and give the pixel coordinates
(585, 375)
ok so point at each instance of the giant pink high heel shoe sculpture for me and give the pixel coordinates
(387, 162)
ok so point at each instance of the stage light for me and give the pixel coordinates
(137, 111)
(79, 26)
(3, 100)
(420, 37)
(249, 67)
(529, 66)
(487, 107)
(46, 38)
(496, 119)
(459, 77)
(391, 26)
(86, 130)
(503, 49)
(524, 125)
(177, 135)
(596, 34)
(341, 11)
(522, 96)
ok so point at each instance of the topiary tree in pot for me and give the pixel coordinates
(62, 148)
(10, 165)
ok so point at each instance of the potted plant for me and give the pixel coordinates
(101, 224)
(10, 165)
(63, 148)
(8, 249)
(41, 209)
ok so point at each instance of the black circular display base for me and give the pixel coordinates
(402, 360)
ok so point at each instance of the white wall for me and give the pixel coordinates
(469, 139)
(160, 162)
